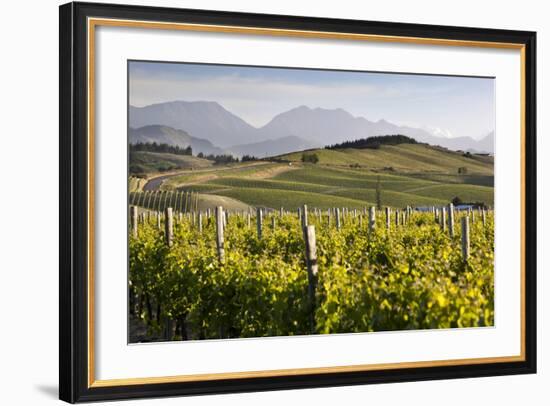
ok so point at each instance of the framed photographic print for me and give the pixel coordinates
(257, 202)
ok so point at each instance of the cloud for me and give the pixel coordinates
(449, 106)
(439, 132)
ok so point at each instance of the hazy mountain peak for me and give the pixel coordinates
(162, 134)
(203, 119)
(318, 126)
(272, 147)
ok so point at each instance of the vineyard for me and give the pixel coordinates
(211, 274)
(160, 200)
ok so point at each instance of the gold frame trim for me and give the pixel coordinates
(94, 22)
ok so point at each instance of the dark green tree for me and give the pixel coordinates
(310, 157)
(456, 201)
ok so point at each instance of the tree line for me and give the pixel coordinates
(161, 147)
(226, 158)
(177, 150)
(374, 142)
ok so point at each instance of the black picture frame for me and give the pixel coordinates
(74, 200)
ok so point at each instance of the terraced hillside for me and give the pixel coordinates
(416, 175)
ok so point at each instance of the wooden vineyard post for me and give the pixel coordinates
(248, 220)
(169, 226)
(153, 203)
(312, 269)
(443, 219)
(139, 194)
(158, 196)
(158, 220)
(184, 203)
(304, 216)
(146, 199)
(176, 201)
(162, 200)
(465, 238)
(372, 219)
(200, 222)
(343, 215)
(338, 219)
(171, 198)
(219, 234)
(388, 218)
(273, 222)
(484, 217)
(159, 200)
(259, 221)
(134, 220)
(328, 217)
(361, 220)
(396, 218)
(451, 220)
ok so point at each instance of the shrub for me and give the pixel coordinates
(310, 157)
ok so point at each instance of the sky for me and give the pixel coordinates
(445, 105)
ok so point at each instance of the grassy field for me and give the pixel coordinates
(416, 175)
(402, 158)
(144, 162)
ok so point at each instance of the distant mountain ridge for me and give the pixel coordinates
(206, 120)
(279, 146)
(299, 126)
(162, 134)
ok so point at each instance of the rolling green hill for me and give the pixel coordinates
(402, 158)
(144, 162)
(415, 175)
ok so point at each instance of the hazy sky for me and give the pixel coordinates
(451, 106)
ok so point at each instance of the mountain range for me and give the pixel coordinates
(210, 128)
(162, 134)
